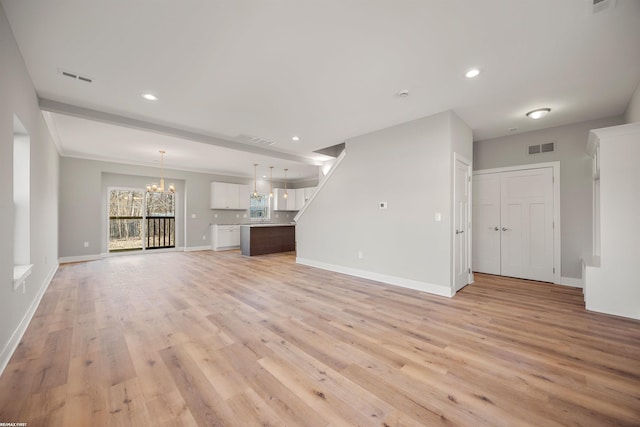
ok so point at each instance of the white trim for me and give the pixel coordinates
(557, 251)
(321, 184)
(571, 281)
(518, 168)
(144, 252)
(199, 248)
(80, 258)
(17, 335)
(390, 280)
(20, 274)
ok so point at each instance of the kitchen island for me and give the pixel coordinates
(260, 239)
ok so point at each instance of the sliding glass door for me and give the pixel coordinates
(139, 220)
(160, 221)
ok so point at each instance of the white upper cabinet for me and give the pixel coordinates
(281, 203)
(300, 198)
(295, 200)
(229, 196)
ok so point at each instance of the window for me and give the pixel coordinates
(21, 204)
(259, 207)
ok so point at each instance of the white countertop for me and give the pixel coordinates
(267, 225)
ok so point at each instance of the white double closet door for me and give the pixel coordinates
(513, 216)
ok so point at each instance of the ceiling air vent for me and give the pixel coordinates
(256, 140)
(602, 5)
(548, 147)
(75, 76)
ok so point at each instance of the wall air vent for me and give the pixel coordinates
(602, 5)
(75, 76)
(547, 147)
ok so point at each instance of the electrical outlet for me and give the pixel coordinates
(86, 244)
(204, 237)
(438, 216)
(193, 216)
(360, 256)
(215, 215)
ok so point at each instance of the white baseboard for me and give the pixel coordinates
(197, 248)
(390, 280)
(570, 281)
(14, 341)
(80, 258)
(225, 248)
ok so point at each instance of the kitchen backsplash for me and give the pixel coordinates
(219, 216)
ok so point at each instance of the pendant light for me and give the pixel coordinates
(154, 188)
(271, 182)
(255, 180)
(285, 184)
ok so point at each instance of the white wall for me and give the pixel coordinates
(575, 180)
(18, 97)
(632, 114)
(409, 166)
(614, 287)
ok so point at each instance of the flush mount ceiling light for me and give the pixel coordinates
(155, 188)
(149, 97)
(295, 138)
(474, 72)
(538, 114)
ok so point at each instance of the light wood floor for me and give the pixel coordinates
(217, 339)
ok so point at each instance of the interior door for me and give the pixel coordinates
(461, 223)
(526, 212)
(486, 223)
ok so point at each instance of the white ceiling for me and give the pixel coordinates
(324, 70)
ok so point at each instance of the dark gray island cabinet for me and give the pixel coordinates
(260, 239)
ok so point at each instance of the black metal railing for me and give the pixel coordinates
(161, 232)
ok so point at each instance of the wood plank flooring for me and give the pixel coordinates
(217, 339)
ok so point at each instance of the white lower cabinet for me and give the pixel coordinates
(225, 237)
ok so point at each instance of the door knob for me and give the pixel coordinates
(505, 229)
(494, 228)
(459, 231)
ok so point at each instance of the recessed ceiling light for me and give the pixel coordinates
(149, 97)
(539, 113)
(295, 138)
(474, 72)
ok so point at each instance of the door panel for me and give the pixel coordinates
(527, 224)
(486, 224)
(461, 224)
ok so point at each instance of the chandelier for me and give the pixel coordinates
(155, 188)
